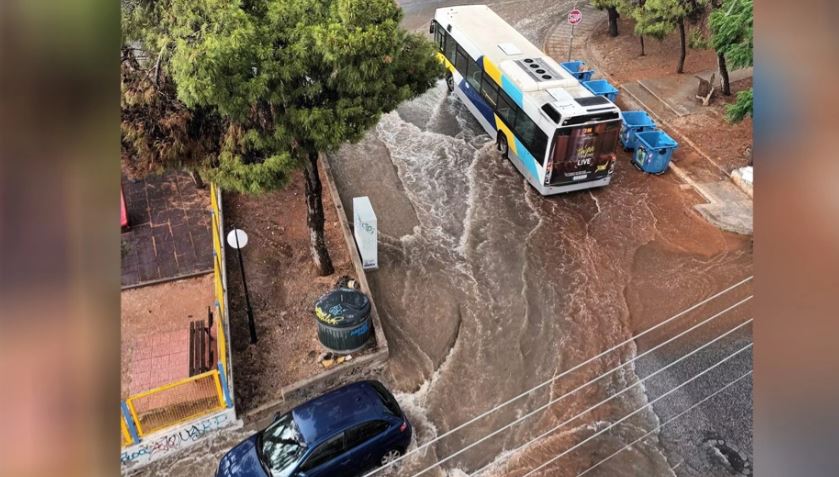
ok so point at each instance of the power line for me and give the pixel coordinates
(556, 377)
(610, 426)
(553, 401)
(665, 423)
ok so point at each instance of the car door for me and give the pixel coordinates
(365, 444)
(325, 460)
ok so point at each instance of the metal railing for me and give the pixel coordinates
(176, 403)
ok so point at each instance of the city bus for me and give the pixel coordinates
(559, 135)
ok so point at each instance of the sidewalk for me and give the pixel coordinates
(668, 100)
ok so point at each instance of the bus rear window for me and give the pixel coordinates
(551, 112)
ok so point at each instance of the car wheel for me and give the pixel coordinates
(501, 144)
(390, 456)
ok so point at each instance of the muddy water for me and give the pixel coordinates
(487, 289)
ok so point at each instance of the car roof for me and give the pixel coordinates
(338, 410)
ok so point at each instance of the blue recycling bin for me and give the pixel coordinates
(603, 88)
(576, 69)
(653, 151)
(634, 122)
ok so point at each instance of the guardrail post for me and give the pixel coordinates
(132, 429)
(224, 388)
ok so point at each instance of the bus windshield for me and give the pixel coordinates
(584, 152)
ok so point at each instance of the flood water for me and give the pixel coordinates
(487, 289)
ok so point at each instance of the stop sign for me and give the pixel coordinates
(575, 16)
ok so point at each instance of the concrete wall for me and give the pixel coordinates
(174, 440)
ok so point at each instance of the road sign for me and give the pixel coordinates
(575, 16)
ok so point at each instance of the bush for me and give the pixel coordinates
(739, 109)
(697, 40)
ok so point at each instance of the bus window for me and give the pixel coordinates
(451, 46)
(462, 62)
(506, 109)
(531, 136)
(473, 75)
(489, 91)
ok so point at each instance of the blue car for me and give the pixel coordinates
(343, 433)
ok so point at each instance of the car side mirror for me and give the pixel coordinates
(431, 27)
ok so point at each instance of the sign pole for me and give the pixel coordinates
(574, 16)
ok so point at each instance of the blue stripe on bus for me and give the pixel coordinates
(527, 159)
(477, 101)
(514, 92)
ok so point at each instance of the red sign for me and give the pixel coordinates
(575, 17)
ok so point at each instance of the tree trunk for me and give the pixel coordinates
(681, 68)
(196, 177)
(643, 52)
(613, 20)
(726, 85)
(314, 217)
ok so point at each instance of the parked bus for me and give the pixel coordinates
(558, 134)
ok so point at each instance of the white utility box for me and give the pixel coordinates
(366, 232)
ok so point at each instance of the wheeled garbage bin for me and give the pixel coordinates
(603, 88)
(576, 68)
(633, 123)
(653, 151)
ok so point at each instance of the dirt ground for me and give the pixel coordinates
(155, 331)
(283, 288)
(724, 142)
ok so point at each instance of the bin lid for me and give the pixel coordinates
(342, 308)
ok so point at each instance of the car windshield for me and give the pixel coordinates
(281, 446)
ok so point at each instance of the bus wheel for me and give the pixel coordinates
(501, 144)
(450, 82)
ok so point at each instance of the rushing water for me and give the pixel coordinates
(487, 289)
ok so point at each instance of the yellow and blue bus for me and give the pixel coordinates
(558, 134)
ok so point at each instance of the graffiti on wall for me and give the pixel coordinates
(174, 440)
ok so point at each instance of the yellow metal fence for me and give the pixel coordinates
(176, 403)
(189, 398)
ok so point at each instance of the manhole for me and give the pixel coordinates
(730, 456)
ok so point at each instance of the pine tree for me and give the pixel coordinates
(659, 18)
(731, 26)
(628, 7)
(289, 80)
(612, 9)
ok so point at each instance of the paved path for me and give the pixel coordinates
(559, 39)
(168, 232)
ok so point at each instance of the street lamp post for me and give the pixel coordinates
(237, 238)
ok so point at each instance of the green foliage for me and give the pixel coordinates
(740, 108)
(658, 18)
(697, 40)
(731, 28)
(287, 78)
(604, 4)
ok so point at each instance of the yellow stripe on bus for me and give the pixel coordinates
(492, 71)
(445, 61)
(511, 140)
